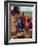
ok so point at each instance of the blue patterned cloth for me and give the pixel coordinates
(19, 17)
(18, 26)
(19, 23)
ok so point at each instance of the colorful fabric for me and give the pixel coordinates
(23, 19)
(19, 17)
(22, 26)
(18, 26)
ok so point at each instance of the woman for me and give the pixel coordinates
(23, 21)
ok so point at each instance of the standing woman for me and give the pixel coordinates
(18, 26)
(23, 21)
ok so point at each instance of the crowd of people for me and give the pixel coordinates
(23, 23)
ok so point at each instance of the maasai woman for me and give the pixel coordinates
(23, 20)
